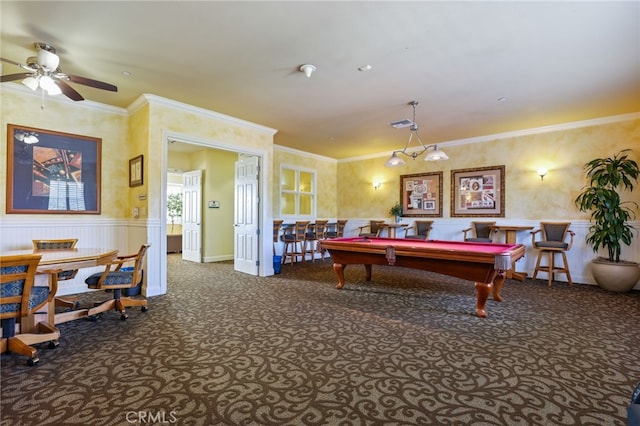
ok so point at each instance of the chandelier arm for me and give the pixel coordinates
(434, 155)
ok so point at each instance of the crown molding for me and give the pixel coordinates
(24, 91)
(516, 133)
(303, 153)
(149, 99)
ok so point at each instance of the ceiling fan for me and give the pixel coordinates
(43, 72)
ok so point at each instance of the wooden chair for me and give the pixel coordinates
(117, 279)
(373, 228)
(553, 241)
(70, 302)
(277, 226)
(420, 230)
(314, 233)
(338, 231)
(294, 242)
(19, 298)
(481, 232)
(334, 231)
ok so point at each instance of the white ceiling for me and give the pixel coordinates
(550, 62)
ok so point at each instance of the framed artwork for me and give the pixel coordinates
(52, 172)
(136, 171)
(421, 194)
(477, 192)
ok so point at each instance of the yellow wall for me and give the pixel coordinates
(109, 124)
(138, 137)
(219, 185)
(562, 152)
(163, 118)
(326, 179)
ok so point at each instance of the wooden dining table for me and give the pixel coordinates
(64, 259)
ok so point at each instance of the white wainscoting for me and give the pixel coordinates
(579, 256)
(124, 235)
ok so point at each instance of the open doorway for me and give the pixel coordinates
(218, 220)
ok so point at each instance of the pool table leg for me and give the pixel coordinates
(498, 282)
(339, 270)
(483, 290)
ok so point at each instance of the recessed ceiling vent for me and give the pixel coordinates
(401, 124)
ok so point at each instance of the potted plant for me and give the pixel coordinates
(610, 218)
(396, 212)
(174, 207)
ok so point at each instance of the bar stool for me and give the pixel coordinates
(314, 233)
(553, 241)
(335, 232)
(294, 242)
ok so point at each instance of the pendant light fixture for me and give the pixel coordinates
(433, 153)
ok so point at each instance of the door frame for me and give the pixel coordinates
(265, 176)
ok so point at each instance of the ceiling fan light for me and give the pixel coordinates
(48, 60)
(394, 161)
(31, 82)
(436, 155)
(47, 83)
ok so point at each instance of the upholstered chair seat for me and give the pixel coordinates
(116, 280)
(420, 230)
(371, 230)
(20, 298)
(480, 232)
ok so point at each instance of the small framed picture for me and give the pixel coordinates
(136, 171)
(477, 192)
(421, 194)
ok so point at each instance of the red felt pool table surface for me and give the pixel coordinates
(483, 263)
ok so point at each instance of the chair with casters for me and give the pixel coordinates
(70, 302)
(315, 233)
(19, 299)
(116, 279)
(371, 230)
(277, 226)
(553, 241)
(420, 230)
(293, 239)
(480, 232)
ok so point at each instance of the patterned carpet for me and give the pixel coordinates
(224, 348)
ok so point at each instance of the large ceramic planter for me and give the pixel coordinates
(619, 277)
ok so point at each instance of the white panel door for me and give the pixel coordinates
(191, 216)
(246, 216)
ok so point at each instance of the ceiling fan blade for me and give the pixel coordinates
(9, 61)
(17, 64)
(69, 91)
(92, 83)
(13, 77)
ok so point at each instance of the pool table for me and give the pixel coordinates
(484, 263)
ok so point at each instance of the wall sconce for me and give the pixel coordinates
(377, 185)
(542, 173)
